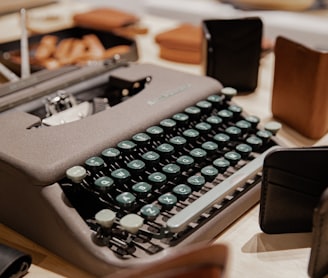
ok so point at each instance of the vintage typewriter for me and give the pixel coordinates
(167, 161)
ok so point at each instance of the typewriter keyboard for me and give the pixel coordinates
(153, 190)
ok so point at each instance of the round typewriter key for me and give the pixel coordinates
(155, 131)
(125, 199)
(167, 200)
(151, 158)
(193, 112)
(121, 175)
(76, 173)
(168, 125)
(221, 139)
(210, 147)
(228, 92)
(203, 128)
(126, 146)
(233, 157)
(214, 121)
(204, 105)
(182, 191)
(131, 222)
(265, 135)
(171, 170)
(273, 127)
(209, 172)
(111, 154)
(235, 109)
(196, 182)
(150, 211)
(103, 184)
(254, 120)
(198, 154)
(255, 142)
(216, 100)
(233, 132)
(141, 139)
(185, 162)
(244, 149)
(178, 142)
(94, 163)
(191, 134)
(221, 164)
(225, 115)
(181, 118)
(157, 179)
(142, 188)
(105, 218)
(165, 149)
(243, 125)
(136, 166)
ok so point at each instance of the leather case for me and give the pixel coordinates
(300, 88)
(318, 264)
(232, 51)
(293, 181)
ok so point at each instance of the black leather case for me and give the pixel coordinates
(232, 50)
(293, 181)
(318, 264)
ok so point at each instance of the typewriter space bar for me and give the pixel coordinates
(190, 213)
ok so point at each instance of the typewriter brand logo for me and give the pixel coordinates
(169, 93)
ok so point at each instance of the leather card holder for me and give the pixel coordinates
(293, 181)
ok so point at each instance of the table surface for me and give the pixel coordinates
(251, 252)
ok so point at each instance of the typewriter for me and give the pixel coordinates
(170, 161)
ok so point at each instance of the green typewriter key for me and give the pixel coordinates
(214, 121)
(253, 120)
(126, 200)
(165, 150)
(185, 162)
(198, 154)
(255, 142)
(265, 135)
(243, 125)
(150, 211)
(142, 189)
(121, 175)
(233, 157)
(151, 158)
(221, 164)
(209, 173)
(94, 163)
(182, 191)
(244, 149)
(203, 128)
(225, 115)
(171, 170)
(221, 139)
(210, 147)
(103, 184)
(111, 154)
(126, 146)
(216, 100)
(168, 125)
(178, 142)
(196, 182)
(136, 166)
(235, 109)
(155, 132)
(181, 118)
(193, 112)
(157, 179)
(167, 200)
(191, 134)
(141, 139)
(204, 105)
(233, 131)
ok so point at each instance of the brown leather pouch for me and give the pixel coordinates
(181, 44)
(105, 19)
(300, 88)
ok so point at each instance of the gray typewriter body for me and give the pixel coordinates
(34, 158)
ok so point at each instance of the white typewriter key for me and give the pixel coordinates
(273, 127)
(76, 173)
(131, 222)
(105, 218)
(229, 92)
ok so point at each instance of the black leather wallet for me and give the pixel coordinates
(318, 264)
(293, 182)
(232, 51)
